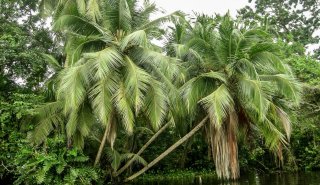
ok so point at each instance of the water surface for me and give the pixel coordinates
(301, 178)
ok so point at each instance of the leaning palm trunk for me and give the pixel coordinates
(104, 139)
(141, 150)
(169, 150)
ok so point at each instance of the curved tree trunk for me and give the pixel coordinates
(169, 150)
(103, 141)
(141, 150)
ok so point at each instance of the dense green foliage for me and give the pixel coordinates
(292, 20)
(77, 103)
(54, 164)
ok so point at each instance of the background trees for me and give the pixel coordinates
(294, 21)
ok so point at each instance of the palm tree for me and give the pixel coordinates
(248, 87)
(237, 78)
(112, 72)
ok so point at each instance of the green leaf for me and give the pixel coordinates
(218, 105)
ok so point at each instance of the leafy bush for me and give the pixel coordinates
(54, 164)
(14, 113)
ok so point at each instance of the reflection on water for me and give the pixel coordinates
(302, 178)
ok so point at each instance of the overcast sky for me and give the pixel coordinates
(209, 7)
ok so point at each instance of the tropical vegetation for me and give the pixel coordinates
(94, 98)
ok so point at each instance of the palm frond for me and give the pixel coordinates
(124, 16)
(114, 157)
(136, 83)
(218, 104)
(157, 22)
(93, 10)
(73, 87)
(52, 62)
(156, 105)
(272, 135)
(72, 124)
(49, 116)
(81, 5)
(287, 86)
(122, 104)
(104, 62)
(138, 159)
(76, 45)
(195, 89)
(169, 67)
(285, 121)
(76, 24)
(137, 38)
(268, 63)
(215, 75)
(101, 98)
(252, 94)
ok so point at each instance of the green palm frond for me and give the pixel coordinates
(272, 135)
(136, 83)
(285, 121)
(86, 121)
(79, 25)
(215, 75)
(81, 5)
(253, 95)
(101, 98)
(72, 88)
(159, 21)
(218, 104)
(193, 90)
(73, 119)
(104, 62)
(138, 38)
(287, 86)
(114, 157)
(181, 50)
(138, 159)
(78, 44)
(122, 104)
(263, 47)
(52, 62)
(50, 116)
(244, 67)
(124, 16)
(168, 66)
(268, 63)
(92, 10)
(111, 129)
(47, 7)
(156, 105)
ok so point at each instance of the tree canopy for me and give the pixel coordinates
(93, 99)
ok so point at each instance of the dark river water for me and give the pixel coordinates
(301, 178)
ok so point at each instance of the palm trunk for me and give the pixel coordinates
(103, 141)
(169, 150)
(141, 150)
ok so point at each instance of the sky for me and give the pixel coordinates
(209, 7)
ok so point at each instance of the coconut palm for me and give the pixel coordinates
(238, 80)
(112, 72)
(246, 86)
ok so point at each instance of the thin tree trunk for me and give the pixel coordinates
(141, 150)
(103, 141)
(169, 150)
